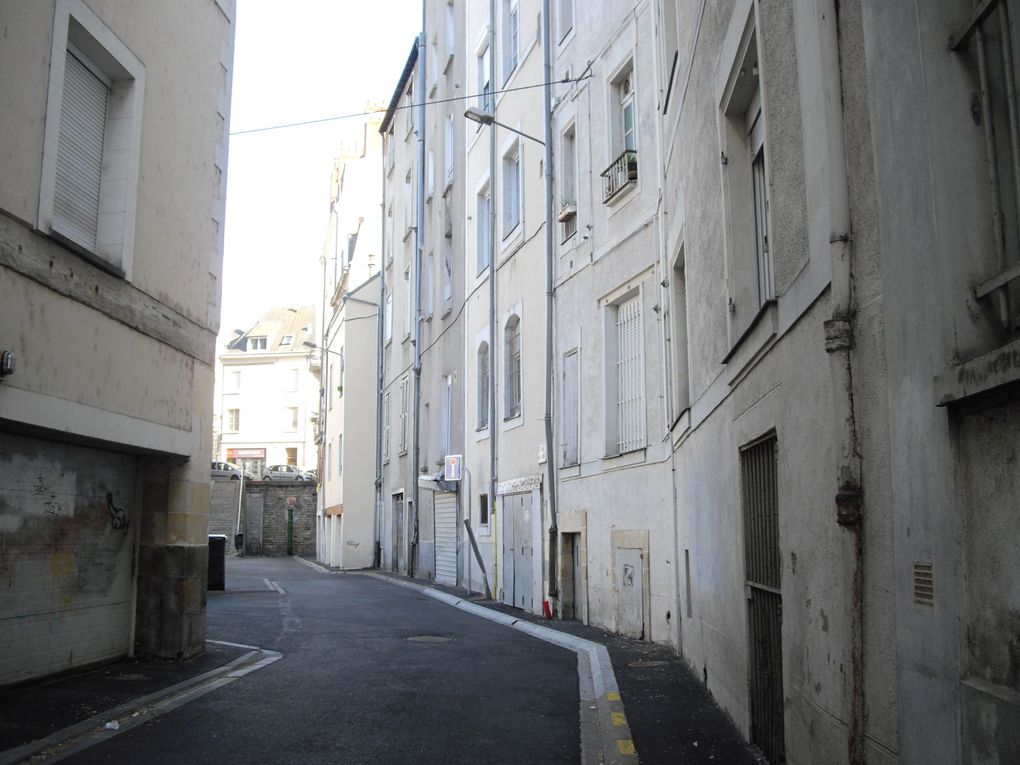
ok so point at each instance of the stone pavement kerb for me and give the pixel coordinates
(605, 733)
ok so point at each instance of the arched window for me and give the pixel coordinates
(512, 367)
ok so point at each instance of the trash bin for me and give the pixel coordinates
(239, 542)
(217, 562)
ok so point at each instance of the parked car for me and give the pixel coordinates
(286, 473)
(222, 470)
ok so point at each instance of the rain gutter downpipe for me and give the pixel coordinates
(380, 372)
(550, 368)
(419, 244)
(493, 428)
(839, 344)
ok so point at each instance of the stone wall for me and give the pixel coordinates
(280, 502)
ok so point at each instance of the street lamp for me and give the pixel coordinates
(487, 118)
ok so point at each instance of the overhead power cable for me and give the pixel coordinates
(369, 112)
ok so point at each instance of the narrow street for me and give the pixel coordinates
(370, 673)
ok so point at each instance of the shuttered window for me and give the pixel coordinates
(483, 386)
(630, 402)
(80, 153)
(571, 410)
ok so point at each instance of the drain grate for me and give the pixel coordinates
(429, 639)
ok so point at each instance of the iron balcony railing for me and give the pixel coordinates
(620, 174)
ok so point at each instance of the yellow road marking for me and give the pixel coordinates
(613, 696)
(626, 746)
(619, 719)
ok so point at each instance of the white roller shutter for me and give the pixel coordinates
(80, 153)
(446, 538)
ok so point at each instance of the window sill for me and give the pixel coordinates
(481, 434)
(569, 471)
(511, 423)
(752, 344)
(982, 374)
(627, 459)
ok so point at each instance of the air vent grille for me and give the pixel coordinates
(924, 583)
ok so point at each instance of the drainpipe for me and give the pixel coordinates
(419, 244)
(839, 344)
(380, 373)
(493, 427)
(550, 366)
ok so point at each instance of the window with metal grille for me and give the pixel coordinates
(630, 397)
(512, 365)
(924, 583)
(483, 386)
(759, 489)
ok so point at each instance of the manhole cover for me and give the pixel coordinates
(639, 664)
(429, 639)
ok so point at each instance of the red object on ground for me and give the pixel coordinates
(546, 610)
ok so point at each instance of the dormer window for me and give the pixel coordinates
(287, 340)
(257, 343)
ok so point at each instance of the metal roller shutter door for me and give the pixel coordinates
(446, 538)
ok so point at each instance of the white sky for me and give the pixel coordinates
(294, 61)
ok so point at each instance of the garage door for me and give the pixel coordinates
(446, 537)
(67, 523)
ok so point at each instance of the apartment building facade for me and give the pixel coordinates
(268, 394)
(111, 243)
(347, 361)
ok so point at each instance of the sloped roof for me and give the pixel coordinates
(277, 324)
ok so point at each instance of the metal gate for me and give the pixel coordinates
(765, 603)
(398, 562)
(445, 531)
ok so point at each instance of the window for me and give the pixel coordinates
(447, 277)
(402, 434)
(388, 317)
(745, 185)
(625, 420)
(426, 287)
(233, 381)
(512, 367)
(430, 176)
(343, 373)
(257, 343)
(571, 408)
(484, 83)
(292, 455)
(391, 156)
(564, 17)
(292, 379)
(423, 434)
(329, 460)
(433, 67)
(483, 509)
(511, 35)
(623, 168)
(678, 336)
(330, 377)
(408, 302)
(568, 183)
(483, 208)
(483, 386)
(340, 455)
(451, 33)
(409, 112)
(446, 414)
(88, 194)
(511, 189)
(448, 150)
(233, 420)
(287, 340)
(292, 418)
(409, 220)
(386, 428)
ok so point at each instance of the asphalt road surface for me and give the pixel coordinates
(371, 673)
